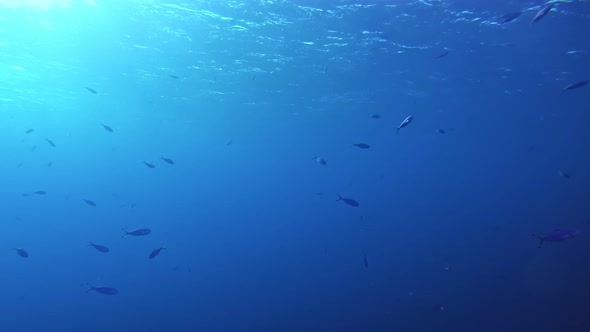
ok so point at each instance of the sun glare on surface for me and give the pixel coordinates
(36, 4)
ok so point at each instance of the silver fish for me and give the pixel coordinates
(541, 13)
(404, 123)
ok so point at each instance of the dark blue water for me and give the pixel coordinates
(243, 96)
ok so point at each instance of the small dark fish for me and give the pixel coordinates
(174, 77)
(441, 131)
(132, 205)
(362, 145)
(25, 194)
(230, 142)
(40, 192)
(557, 235)
(21, 252)
(28, 131)
(50, 142)
(320, 160)
(437, 307)
(137, 232)
(33, 148)
(507, 44)
(541, 13)
(169, 161)
(366, 262)
(509, 17)
(375, 116)
(91, 90)
(574, 86)
(89, 202)
(156, 252)
(107, 128)
(99, 247)
(442, 55)
(348, 201)
(326, 70)
(404, 123)
(564, 175)
(49, 164)
(149, 165)
(103, 290)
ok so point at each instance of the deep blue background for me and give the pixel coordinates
(256, 240)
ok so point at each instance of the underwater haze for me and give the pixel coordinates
(295, 165)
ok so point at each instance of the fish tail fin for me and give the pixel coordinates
(90, 287)
(541, 239)
(124, 235)
(339, 198)
(397, 132)
(562, 91)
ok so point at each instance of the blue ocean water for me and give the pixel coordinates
(246, 97)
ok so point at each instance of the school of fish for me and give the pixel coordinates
(556, 235)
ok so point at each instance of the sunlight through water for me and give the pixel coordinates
(40, 4)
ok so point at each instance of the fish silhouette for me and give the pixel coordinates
(574, 86)
(509, 17)
(89, 202)
(156, 252)
(107, 128)
(541, 13)
(557, 235)
(99, 247)
(50, 142)
(137, 232)
(348, 201)
(21, 252)
(103, 290)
